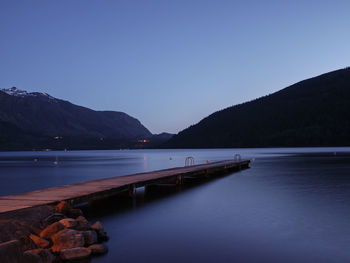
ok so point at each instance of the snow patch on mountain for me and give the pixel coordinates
(22, 93)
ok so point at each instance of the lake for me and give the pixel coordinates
(292, 205)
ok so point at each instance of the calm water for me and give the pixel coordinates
(292, 205)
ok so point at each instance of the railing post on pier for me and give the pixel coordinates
(237, 157)
(189, 161)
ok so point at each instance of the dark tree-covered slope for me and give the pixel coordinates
(313, 112)
(37, 120)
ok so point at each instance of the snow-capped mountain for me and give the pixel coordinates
(37, 120)
(22, 93)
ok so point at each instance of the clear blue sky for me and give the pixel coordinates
(168, 63)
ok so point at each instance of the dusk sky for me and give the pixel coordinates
(168, 63)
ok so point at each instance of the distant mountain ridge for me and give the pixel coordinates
(23, 93)
(313, 112)
(36, 120)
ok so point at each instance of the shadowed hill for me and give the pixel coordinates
(37, 120)
(313, 112)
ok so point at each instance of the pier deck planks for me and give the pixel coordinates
(101, 188)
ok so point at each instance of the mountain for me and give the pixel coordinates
(313, 112)
(158, 139)
(38, 120)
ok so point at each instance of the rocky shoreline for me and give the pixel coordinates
(50, 234)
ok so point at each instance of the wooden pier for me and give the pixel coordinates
(103, 188)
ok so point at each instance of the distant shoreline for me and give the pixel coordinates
(137, 149)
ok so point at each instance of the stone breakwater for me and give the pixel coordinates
(50, 234)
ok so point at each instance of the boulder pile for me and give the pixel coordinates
(65, 235)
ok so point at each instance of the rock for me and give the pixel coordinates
(30, 257)
(39, 242)
(22, 222)
(98, 227)
(51, 230)
(74, 213)
(102, 235)
(63, 207)
(36, 230)
(27, 243)
(47, 256)
(83, 224)
(67, 238)
(98, 249)
(90, 237)
(53, 218)
(13, 229)
(44, 254)
(75, 253)
(69, 222)
(11, 251)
